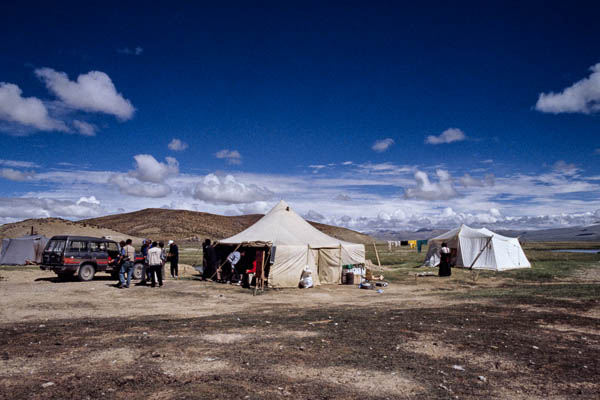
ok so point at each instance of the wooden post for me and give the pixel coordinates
(340, 254)
(377, 254)
(260, 270)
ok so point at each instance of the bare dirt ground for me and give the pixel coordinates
(199, 340)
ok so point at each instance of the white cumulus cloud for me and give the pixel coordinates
(469, 181)
(93, 92)
(448, 136)
(257, 207)
(27, 111)
(427, 190)
(148, 169)
(133, 187)
(228, 190)
(148, 178)
(232, 156)
(581, 97)
(382, 145)
(85, 128)
(177, 145)
(15, 175)
(17, 208)
(88, 200)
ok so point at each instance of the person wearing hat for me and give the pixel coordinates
(173, 257)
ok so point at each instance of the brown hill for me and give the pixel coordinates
(58, 226)
(185, 225)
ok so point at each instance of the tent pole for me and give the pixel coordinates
(340, 264)
(481, 252)
(377, 254)
(307, 253)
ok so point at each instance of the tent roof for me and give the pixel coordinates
(29, 237)
(282, 226)
(468, 232)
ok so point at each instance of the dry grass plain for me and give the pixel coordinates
(520, 335)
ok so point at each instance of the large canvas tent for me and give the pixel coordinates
(19, 251)
(478, 249)
(298, 244)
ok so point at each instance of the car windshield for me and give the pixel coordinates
(56, 246)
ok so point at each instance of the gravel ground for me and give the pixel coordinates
(202, 340)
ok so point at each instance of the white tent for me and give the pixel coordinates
(19, 251)
(478, 249)
(299, 244)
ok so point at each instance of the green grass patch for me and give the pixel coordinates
(191, 255)
(546, 265)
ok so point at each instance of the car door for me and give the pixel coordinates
(99, 254)
(76, 252)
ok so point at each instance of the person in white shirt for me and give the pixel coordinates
(155, 263)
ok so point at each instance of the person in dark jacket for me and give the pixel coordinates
(445, 261)
(145, 270)
(210, 260)
(174, 258)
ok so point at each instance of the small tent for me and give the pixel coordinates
(298, 244)
(478, 249)
(19, 251)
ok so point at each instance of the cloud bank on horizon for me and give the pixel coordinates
(343, 196)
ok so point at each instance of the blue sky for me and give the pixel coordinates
(371, 116)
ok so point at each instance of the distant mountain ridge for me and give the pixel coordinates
(57, 226)
(193, 226)
(184, 225)
(578, 233)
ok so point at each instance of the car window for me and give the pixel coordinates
(94, 246)
(56, 246)
(112, 246)
(77, 245)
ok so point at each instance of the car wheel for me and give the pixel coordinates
(86, 272)
(138, 269)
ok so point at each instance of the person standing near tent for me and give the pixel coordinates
(232, 259)
(127, 266)
(163, 257)
(445, 261)
(239, 269)
(155, 264)
(210, 260)
(145, 269)
(173, 257)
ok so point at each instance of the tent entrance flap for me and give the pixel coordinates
(481, 252)
(329, 265)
